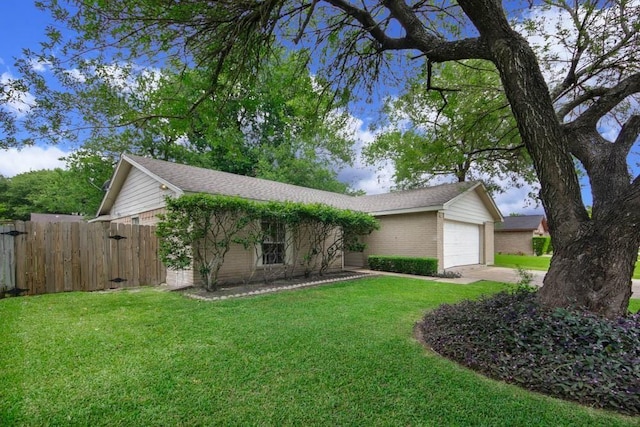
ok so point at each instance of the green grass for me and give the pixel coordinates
(531, 262)
(341, 354)
(528, 262)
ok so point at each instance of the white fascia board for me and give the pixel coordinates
(161, 180)
(461, 195)
(406, 211)
(109, 197)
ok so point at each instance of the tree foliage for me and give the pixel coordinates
(464, 129)
(199, 230)
(579, 73)
(47, 191)
(277, 123)
(87, 174)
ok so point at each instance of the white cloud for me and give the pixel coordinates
(377, 182)
(129, 78)
(14, 162)
(76, 75)
(517, 200)
(370, 179)
(19, 102)
(39, 66)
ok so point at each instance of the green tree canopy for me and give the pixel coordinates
(75, 190)
(464, 129)
(277, 122)
(41, 191)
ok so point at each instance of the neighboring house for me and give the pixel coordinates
(451, 222)
(514, 235)
(41, 217)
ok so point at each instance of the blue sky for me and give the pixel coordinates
(23, 26)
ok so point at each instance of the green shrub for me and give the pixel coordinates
(199, 229)
(542, 245)
(567, 354)
(407, 265)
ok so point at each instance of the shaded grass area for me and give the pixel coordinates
(341, 354)
(531, 262)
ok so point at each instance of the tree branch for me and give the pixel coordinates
(629, 133)
(607, 102)
(494, 149)
(434, 48)
(371, 26)
(590, 94)
(312, 7)
(584, 42)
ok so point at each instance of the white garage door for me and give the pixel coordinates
(461, 244)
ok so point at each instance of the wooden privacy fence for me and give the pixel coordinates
(42, 258)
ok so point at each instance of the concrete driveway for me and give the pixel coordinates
(510, 275)
(474, 273)
(498, 274)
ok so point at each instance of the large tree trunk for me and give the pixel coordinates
(593, 272)
(593, 258)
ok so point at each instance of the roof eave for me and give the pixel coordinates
(115, 183)
(118, 178)
(482, 192)
(406, 211)
(161, 180)
(100, 218)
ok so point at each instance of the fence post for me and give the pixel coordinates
(7, 257)
(11, 237)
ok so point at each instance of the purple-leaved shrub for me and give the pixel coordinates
(567, 354)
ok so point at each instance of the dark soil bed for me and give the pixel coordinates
(261, 287)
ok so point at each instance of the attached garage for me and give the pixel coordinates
(453, 223)
(461, 244)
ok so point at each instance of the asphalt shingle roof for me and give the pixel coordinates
(520, 223)
(412, 199)
(200, 180)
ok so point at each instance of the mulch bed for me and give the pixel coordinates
(258, 288)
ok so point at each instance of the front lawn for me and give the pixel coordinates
(528, 262)
(531, 262)
(340, 354)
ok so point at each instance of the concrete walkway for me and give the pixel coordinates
(498, 274)
(474, 273)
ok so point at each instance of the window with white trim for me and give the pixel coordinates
(273, 243)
